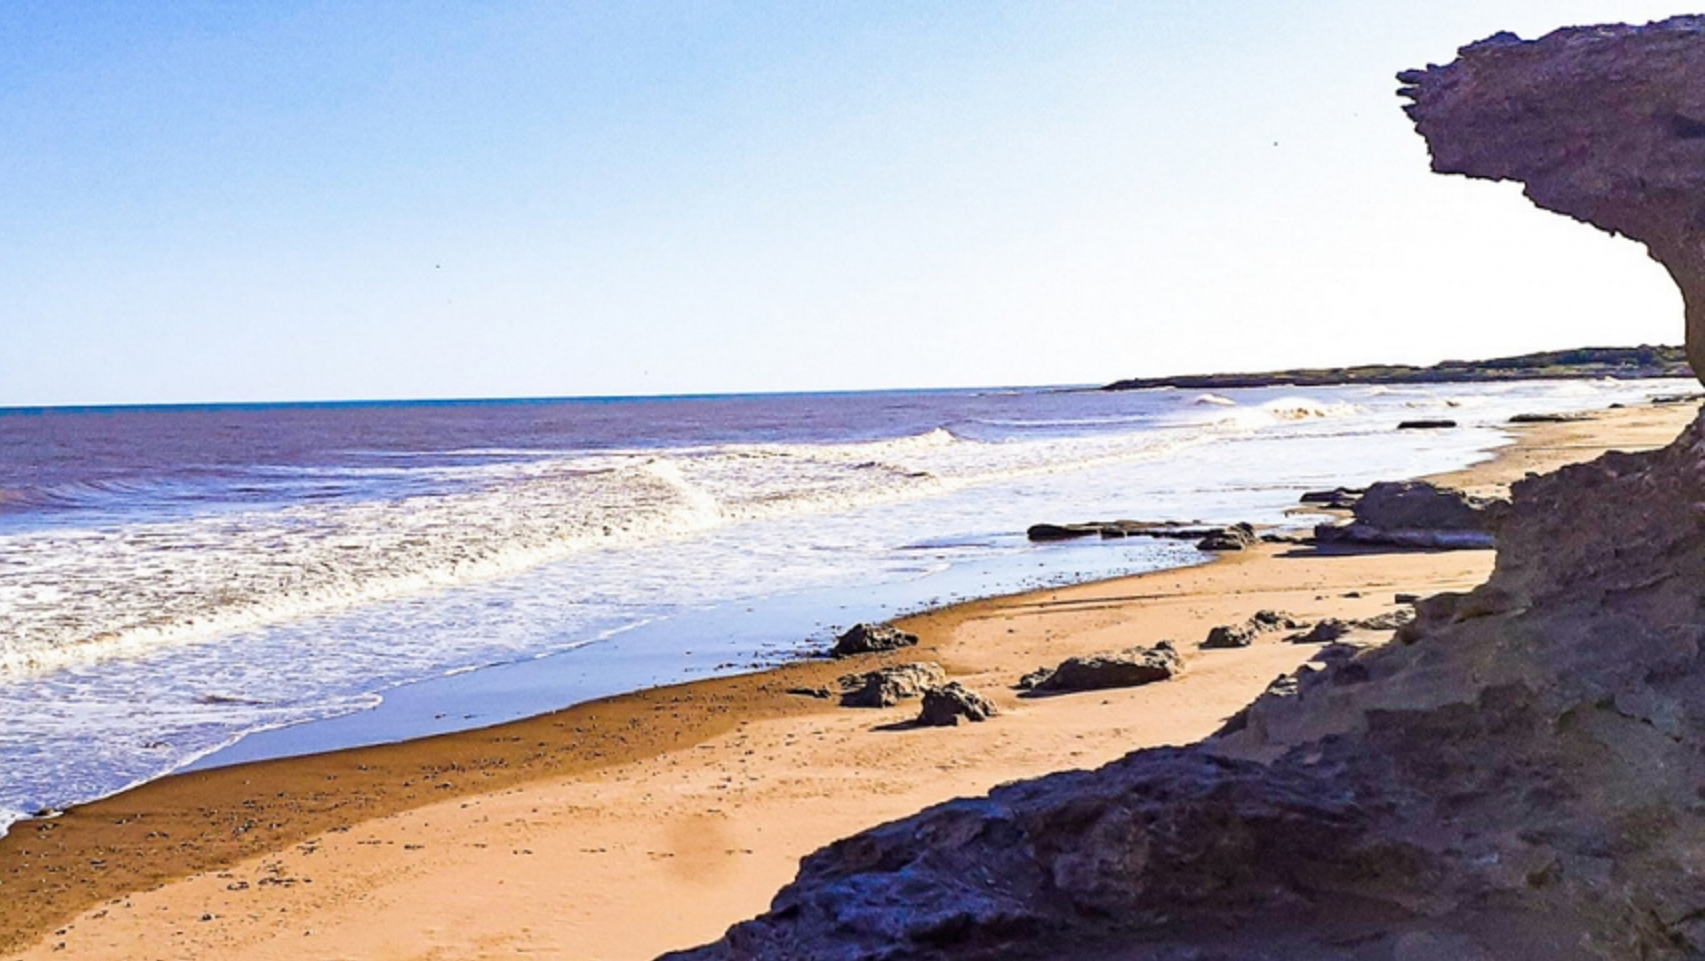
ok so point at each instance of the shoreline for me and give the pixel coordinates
(241, 818)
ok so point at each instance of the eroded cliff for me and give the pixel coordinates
(1605, 124)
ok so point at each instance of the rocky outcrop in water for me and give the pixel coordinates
(1605, 124)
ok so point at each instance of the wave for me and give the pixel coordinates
(73, 596)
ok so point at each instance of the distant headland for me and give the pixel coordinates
(1624, 363)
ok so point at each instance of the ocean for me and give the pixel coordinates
(199, 585)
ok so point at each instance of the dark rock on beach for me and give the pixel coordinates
(1426, 424)
(870, 639)
(1549, 418)
(888, 686)
(1132, 667)
(1324, 632)
(1416, 514)
(1333, 496)
(1171, 530)
(1061, 532)
(1337, 499)
(1390, 621)
(1227, 636)
(951, 703)
(1233, 538)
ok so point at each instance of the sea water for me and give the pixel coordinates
(211, 584)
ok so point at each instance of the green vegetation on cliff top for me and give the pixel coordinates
(1620, 362)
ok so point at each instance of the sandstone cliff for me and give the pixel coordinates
(1520, 776)
(1604, 124)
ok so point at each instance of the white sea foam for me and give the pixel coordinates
(72, 596)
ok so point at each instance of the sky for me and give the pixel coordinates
(206, 201)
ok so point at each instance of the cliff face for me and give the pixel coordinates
(1605, 124)
(1520, 775)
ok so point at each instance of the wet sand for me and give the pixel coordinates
(637, 824)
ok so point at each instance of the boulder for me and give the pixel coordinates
(1131, 667)
(1426, 424)
(1324, 632)
(870, 639)
(951, 703)
(1028, 682)
(1227, 636)
(888, 686)
(1233, 538)
(1416, 514)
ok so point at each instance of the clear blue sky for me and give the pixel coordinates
(208, 201)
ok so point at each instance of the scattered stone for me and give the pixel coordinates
(889, 686)
(1233, 538)
(821, 693)
(1227, 636)
(1407, 598)
(1274, 620)
(1131, 667)
(951, 703)
(871, 638)
(1324, 632)
(1426, 424)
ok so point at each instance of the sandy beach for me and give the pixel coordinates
(627, 827)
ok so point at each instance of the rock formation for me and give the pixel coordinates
(947, 705)
(1521, 780)
(1228, 636)
(1605, 124)
(1416, 514)
(871, 639)
(1520, 776)
(1132, 667)
(888, 686)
